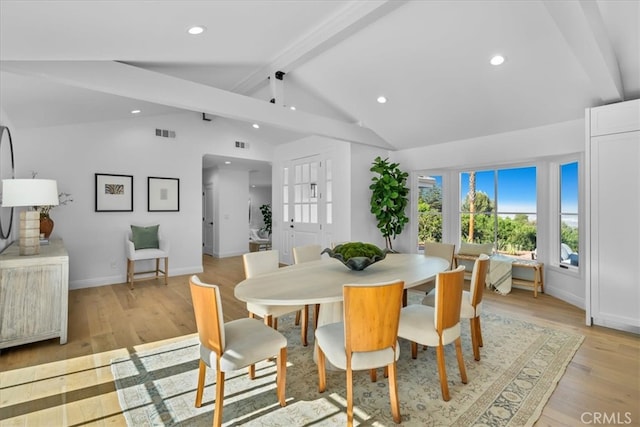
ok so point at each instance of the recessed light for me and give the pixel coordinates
(382, 99)
(195, 30)
(256, 126)
(135, 111)
(227, 162)
(293, 107)
(497, 60)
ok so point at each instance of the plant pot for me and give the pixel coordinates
(46, 226)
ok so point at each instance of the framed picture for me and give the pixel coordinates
(114, 193)
(163, 194)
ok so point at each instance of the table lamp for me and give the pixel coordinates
(31, 193)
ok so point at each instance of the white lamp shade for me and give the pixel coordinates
(29, 192)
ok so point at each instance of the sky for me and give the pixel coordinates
(517, 188)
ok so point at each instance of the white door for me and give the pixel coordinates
(303, 204)
(207, 221)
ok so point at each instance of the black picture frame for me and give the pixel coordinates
(114, 193)
(163, 194)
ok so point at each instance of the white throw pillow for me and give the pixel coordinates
(475, 249)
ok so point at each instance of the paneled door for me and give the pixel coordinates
(303, 204)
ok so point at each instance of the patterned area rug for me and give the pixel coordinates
(520, 367)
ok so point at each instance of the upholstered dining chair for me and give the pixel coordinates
(256, 263)
(365, 340)
(440, 250)
(146, 243)
(439, 325)
(231, 346)
(305, 254)
(471, 305)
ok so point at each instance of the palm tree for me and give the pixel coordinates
(472, 203)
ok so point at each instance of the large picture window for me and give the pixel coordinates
(429, 210)
(569, 236)
(499, 207)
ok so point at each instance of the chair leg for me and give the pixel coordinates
(480, 344)
(305, 325)
(297, 322)
(217, 411)
(166, 270)
(157, 267)
(130, 271)
(274, 322)
(463, 371)
(201, 373)
(393, 392)
(281, 376)
(442, 371)
(322, 374)
(349, 395)
(316, 314)
(414, 350)
(474, 338)
(373, 375)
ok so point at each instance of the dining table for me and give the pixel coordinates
(321, 281)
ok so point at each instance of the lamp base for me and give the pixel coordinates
(29, 243)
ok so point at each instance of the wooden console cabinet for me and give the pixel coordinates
(34, 292)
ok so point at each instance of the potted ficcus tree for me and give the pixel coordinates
(389, 198)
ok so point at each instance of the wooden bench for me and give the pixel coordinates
(537, 272)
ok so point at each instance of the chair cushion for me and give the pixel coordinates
(330, 338)
(145, 237)
(466, 309)
(148, 254)
(272, 310)
(247, 341)
(417, 324)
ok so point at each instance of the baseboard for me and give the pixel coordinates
(122, 278)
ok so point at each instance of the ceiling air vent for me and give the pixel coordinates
(166, 133)
(242, 145)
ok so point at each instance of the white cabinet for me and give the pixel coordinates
(613, 190)
(34, 293)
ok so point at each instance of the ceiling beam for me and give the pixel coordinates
(352, 18)
(125, 80)
(583, 28)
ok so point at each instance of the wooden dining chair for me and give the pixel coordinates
(439, 325)
(471, 305)
(256, 263)
(305, 254)
(234, 345)
(365, 340)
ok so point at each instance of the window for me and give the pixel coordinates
(429, 210)
(499, 207)
(569, 235)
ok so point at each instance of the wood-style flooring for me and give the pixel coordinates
(48, 384)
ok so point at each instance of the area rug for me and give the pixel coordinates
(520, 367)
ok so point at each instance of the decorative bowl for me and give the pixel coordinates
(352, 260)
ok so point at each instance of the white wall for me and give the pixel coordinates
(533, 146)
(73, 154)
(231, 201)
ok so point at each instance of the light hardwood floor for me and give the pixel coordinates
(47, 384)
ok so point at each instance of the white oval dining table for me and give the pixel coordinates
(320, 282)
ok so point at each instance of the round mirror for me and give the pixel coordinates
(7, 171)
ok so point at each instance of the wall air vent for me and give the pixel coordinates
(166, 133)
(242, 145)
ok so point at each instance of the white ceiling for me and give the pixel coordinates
(430, 58)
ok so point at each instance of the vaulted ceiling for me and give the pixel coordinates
(84, 61)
